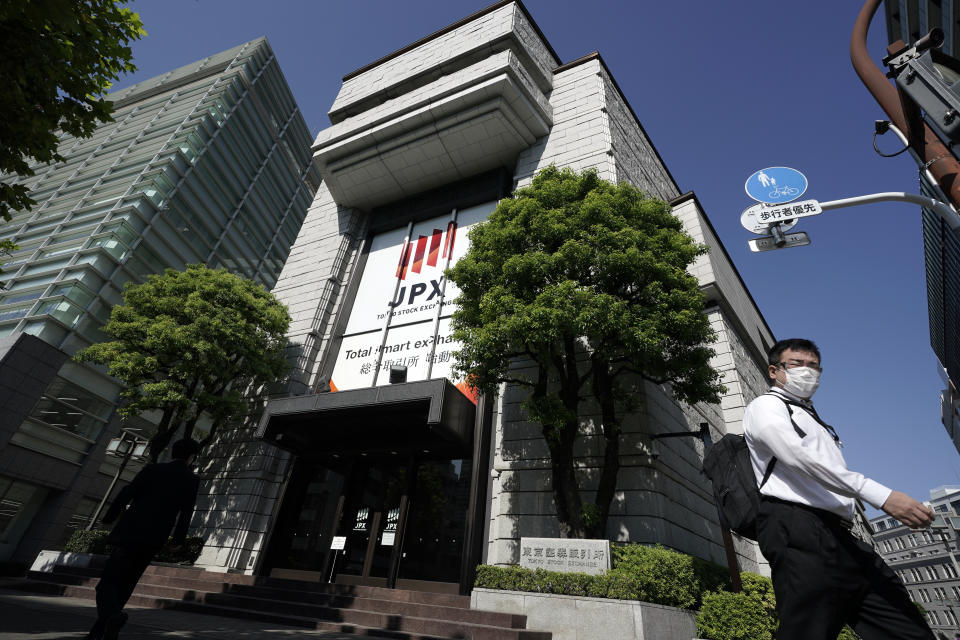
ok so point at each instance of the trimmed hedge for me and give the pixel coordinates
(648, 574)
(749, 615)
(662, 576)
(95, 541)
(83, 541)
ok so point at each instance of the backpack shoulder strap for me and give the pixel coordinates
(768, 472)
(796, 427)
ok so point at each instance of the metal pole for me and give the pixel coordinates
(113, 483)
(451, 230)
(944, 210)
(401, 271)
(930, 151)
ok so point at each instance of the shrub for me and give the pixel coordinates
(749, 615)
(650, 574)
(187, 554)
(95, 541)
(668, 577)
(83, 541)
(735, 616)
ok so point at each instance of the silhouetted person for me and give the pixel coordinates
(159, 496)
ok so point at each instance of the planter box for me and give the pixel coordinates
(46, 560)
(581, 618)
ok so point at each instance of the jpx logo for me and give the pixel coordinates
(420, 251)
(420, 254)
(418, 289)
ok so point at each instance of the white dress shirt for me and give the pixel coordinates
(810, 470)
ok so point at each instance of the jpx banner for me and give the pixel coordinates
(415, 271)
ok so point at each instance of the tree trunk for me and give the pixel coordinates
(607, 487)
(566, 488)
(566, 491)
(164, 433)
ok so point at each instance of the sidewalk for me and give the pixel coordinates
(30, 617)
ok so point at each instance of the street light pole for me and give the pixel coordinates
(127, 454)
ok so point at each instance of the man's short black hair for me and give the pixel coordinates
(183, 449)
(795, 344)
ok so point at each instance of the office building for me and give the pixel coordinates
(926, 560)
(208, 163)
(412, 482)
(909, 20)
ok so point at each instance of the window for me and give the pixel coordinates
(940, 593)
(915, 574)
(941, 508)
(951, 618)
(932, 573)
(924, 595)
(67, 313)
(956, 592)
(80, 518)
(934, 618)
(899, 541)
(949, 571)
(17, 500)
(881, 525)
(66, 406)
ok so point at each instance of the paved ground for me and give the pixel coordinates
(29, 617)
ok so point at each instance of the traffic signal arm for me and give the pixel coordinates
(929, 151)
(944, 210)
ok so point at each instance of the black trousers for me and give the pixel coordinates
(120, 576)
(823, 578)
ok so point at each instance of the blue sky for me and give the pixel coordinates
(723, 89)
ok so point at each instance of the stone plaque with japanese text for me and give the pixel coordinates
(567, 555)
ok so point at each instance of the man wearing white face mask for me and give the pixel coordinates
(823, 577)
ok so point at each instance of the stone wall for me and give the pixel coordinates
(580, 136)
(662, 495)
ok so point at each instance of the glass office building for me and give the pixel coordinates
(209, 163)
(909, 20)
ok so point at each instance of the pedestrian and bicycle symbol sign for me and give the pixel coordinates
(776, 185)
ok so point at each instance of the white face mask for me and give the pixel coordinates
(802, 381)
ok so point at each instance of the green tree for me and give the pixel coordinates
(587, 280)
(59, 58)
(193, 342)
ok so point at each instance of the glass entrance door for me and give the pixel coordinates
(372, 523)
(393, 521)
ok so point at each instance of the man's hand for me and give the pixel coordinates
(907, 510)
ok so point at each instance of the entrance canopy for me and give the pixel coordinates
(430, 415)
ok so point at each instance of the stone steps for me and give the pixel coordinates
(371, 611)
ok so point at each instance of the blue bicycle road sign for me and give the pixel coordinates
(776, 185)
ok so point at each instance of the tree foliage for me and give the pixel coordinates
(59, 58)
(191, 342)
(587, 280)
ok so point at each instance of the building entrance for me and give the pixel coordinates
(401, 521)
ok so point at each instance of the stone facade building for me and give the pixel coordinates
(370, 477)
